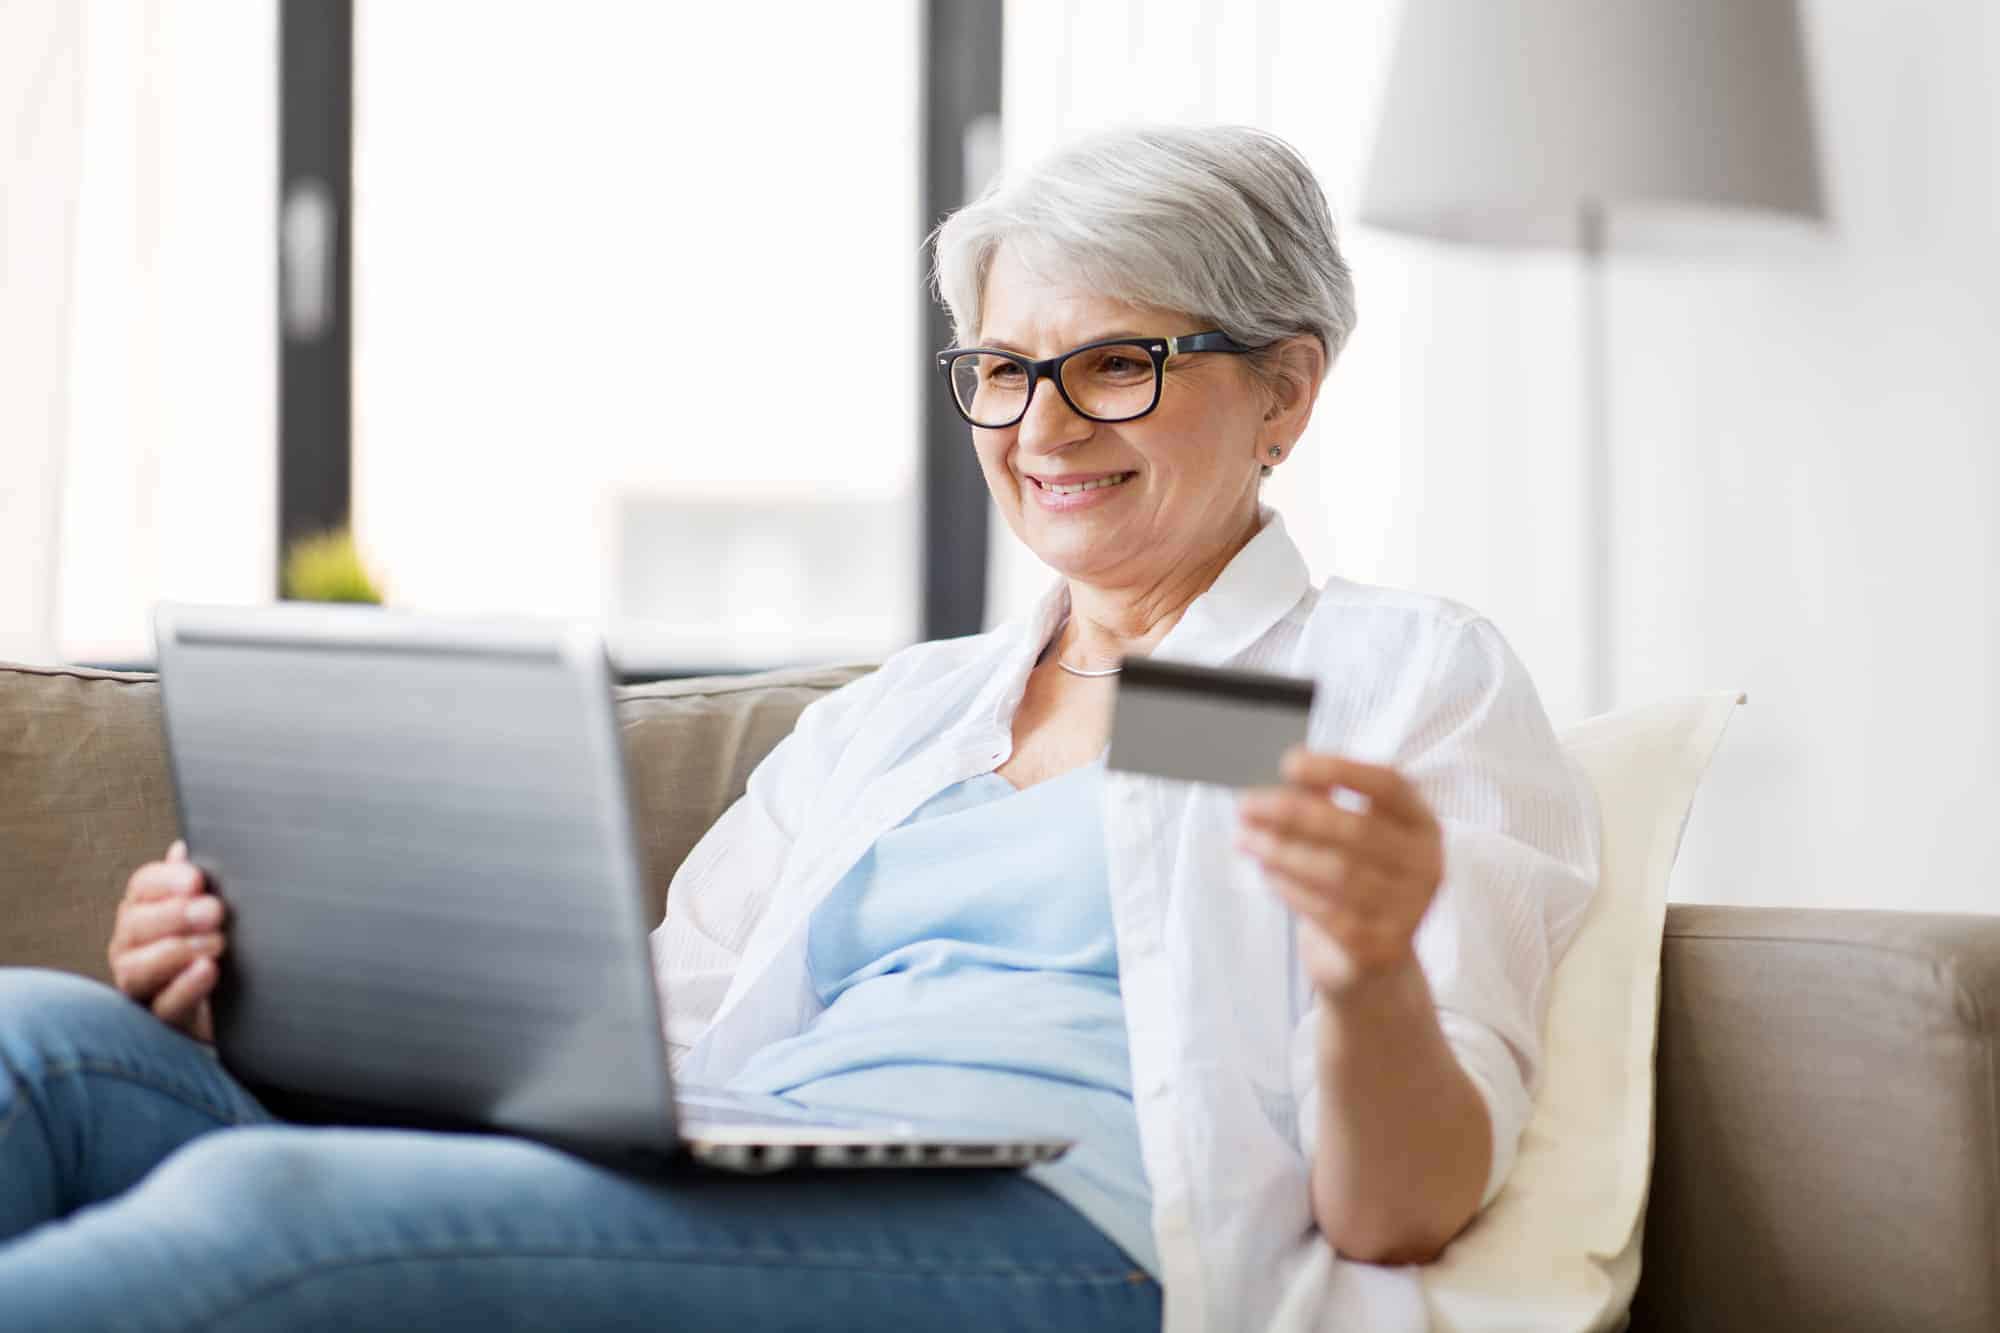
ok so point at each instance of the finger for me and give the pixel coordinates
(1369, 940)
(1333, 876)
(1305, 899)
(164, 879)
(1301, 812)
(143, 922)
(1385, 788)
(142, 972)
(178, 851)
(179, 1002)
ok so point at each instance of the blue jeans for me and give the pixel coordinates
(142, 1188)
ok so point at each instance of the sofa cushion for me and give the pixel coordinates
(84, 800)
(1559, 1248)
(85, 796)
(690, 746)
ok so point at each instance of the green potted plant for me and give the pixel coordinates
(327, 567)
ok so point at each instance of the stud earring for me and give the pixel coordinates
(1276, 452)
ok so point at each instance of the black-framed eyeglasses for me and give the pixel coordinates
(1116, 379)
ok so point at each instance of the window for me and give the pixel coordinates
(635, 321)
(150, 307)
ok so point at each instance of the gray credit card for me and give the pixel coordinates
(1206, 724)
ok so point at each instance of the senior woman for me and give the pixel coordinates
(1293, 1031)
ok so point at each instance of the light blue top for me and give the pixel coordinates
(970, 975)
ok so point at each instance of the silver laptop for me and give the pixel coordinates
(422, 829)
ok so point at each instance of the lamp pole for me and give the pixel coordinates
(1596, 460)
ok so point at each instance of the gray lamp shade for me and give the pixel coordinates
(1504, 118)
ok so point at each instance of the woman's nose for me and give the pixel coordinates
(1049, 420)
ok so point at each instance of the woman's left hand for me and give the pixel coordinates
(1359, 882)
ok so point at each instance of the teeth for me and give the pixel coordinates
(1097, 485)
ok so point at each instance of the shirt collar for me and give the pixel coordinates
(1254, 591)
(1256, 588)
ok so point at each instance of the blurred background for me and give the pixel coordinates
(618, 310)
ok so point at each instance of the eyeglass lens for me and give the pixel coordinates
(1110, 383)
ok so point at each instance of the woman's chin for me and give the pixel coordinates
(1075, 555)
(1078, 544)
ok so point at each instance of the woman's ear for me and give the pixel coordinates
(1300, 367)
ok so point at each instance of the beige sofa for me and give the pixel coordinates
(1828, 1124)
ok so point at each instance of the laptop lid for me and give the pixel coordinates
(422, 829)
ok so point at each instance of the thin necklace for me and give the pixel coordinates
(1079, 671)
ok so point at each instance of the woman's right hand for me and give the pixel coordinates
(166, 942)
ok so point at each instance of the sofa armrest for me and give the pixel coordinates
(1827, 1154)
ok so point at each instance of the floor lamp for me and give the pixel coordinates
(1533, 122)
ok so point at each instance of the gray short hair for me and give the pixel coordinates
(1221, 222)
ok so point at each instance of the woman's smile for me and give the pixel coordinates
(1080, 490)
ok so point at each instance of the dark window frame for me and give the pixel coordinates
(315, 265)
(961, 98)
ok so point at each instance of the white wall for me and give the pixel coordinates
(1810, 482)
(1805, 428)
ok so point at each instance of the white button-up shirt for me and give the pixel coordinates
(1218, 1008)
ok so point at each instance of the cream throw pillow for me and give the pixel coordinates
(1558, 1249)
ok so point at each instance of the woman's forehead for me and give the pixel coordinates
(1027, 306)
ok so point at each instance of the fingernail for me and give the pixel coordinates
(204, 911)
(177, 852)
(186, 877)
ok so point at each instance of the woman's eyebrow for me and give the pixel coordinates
(1002, 345)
